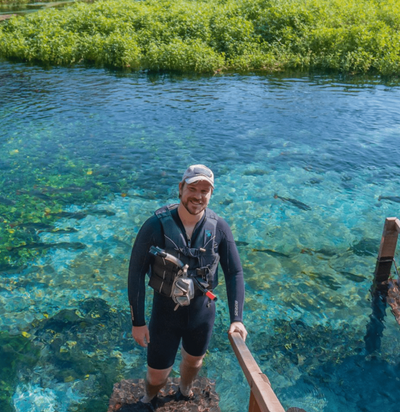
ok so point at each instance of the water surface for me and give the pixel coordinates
(303, 165)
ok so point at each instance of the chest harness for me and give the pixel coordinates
(184, 269)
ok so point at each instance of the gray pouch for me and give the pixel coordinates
(182, 291)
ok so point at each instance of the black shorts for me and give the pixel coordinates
(193, 324)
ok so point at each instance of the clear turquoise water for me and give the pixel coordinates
(108, 148)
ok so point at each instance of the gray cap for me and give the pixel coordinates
(195, 173)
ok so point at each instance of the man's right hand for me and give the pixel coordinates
(141, 335)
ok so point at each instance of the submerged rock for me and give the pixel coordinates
(127, 394)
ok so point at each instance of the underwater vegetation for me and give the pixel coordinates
(211, 36)
(82, 344)
(14, 352)
(34, 204)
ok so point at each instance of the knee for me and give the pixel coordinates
(156, 377)
(156, 380)
(192, 361)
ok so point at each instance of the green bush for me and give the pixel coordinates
(355, 36)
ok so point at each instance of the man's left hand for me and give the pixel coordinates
(238, 327)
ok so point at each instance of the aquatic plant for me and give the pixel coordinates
(15, 350)
(210, 36)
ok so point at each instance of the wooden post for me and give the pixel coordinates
(379, 290)
(262, 397)
(386, 251)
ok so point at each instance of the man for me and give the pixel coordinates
(200, 239)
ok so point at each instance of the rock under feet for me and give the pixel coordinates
(127, 393)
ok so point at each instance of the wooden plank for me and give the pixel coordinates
(386, 251)
(389, 238)
(397, 222)
(260, 386)
(253, 405)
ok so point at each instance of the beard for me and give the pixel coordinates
(193, 208)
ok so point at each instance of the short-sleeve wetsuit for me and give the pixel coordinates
(193, 324)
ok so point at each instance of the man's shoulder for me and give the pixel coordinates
(166, 210)
(151, 223)
(222, 225)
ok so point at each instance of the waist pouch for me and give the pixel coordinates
(182, 291)
(180, 288)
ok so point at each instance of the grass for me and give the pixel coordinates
(349, 36)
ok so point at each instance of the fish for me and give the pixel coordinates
(314, 181)
(44, 227)
(239, 243)
(10, 269)
(227, 202)
(325, 252)
(82, 215)
(353, 277)
(256, 172)
(35, 225)
(101, 212)
(70, 215)
(61, 245)
(294, 202)
(6, 202)
(391, 198)
(271, 252)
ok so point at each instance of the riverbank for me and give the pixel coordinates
(212, 37)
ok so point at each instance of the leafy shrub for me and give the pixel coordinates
(184, 57)
(205, 36)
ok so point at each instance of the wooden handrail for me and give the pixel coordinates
(397, 221)
(387, 250)
(264, 396)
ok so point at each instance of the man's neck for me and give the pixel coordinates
(188, 220)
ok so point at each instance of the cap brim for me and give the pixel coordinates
(197, 178)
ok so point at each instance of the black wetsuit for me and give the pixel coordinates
(193, 324)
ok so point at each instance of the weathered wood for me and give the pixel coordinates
(253, 405)
(387, 250)
(260, 386)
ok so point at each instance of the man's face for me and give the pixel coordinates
(195, 196)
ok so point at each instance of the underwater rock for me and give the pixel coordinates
(394, 299)
(127, 394)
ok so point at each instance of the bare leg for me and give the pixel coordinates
(189, 368)
(155, 380)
